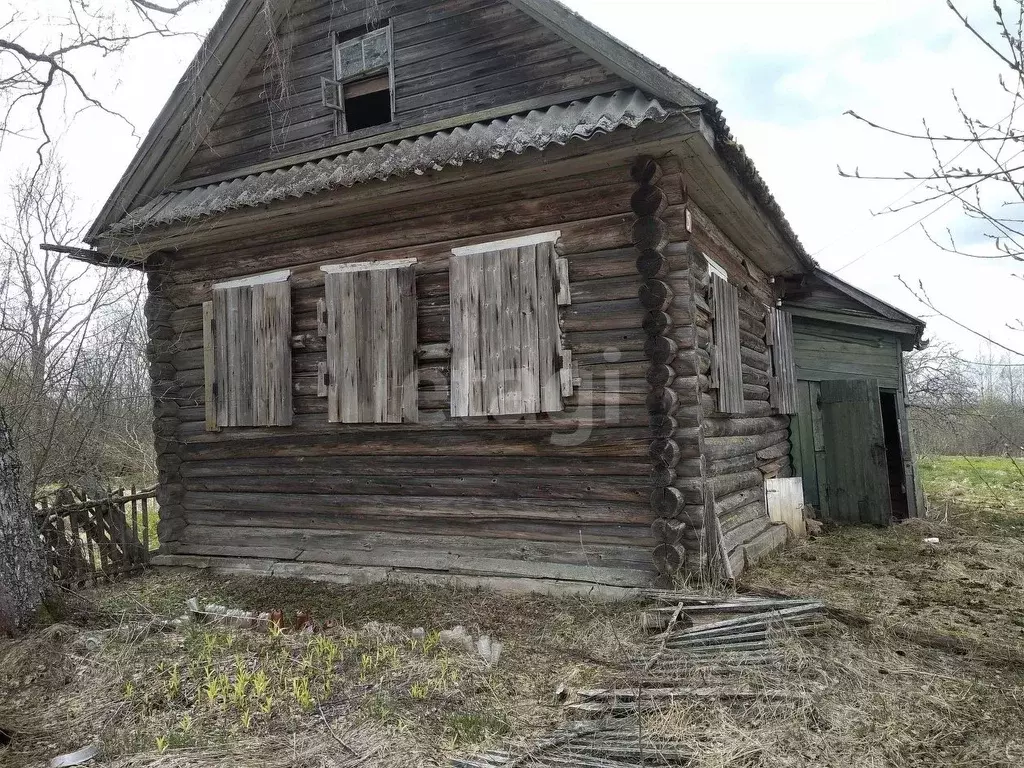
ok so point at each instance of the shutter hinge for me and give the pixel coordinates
(321, 318)
(322, 380)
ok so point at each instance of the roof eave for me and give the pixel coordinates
(238, 35)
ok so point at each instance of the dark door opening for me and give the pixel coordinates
(894, 456)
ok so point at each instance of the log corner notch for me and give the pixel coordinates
(651, 239)
(166, 392)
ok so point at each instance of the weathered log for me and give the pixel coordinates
(759, 361)
(668, 531)
(657, 323)
(693, 467)
(662, 401)
(649, 200)
(692, 362)
(730, 447)
(728, 466)
(737, 427)
(646, 171)
(667, 502)
(660, 375)
(653, 264)
(775, 451)
(738, 481)
(693, 516)
(663, 477)
(750, 341)
(649, 233)
(668, 559)
(756, 377)
(665, 453)
(775, 468)
(754, 392)
(727, 504)
(656, 295)
(663, 426)
(161, 371)
(660, 350)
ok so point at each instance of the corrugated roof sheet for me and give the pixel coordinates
(433, 152)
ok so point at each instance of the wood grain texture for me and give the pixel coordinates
(582, 473)
(209, 367)
(784, 380)
(857, 478)
(372, 344)
(728, 360)
(506, 341)
(462, 57)
(252, 355)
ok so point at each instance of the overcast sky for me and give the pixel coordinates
(784, 73)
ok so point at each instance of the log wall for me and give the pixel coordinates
(739, 451)
(565, 497)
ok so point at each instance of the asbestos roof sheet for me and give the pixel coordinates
(476, 143)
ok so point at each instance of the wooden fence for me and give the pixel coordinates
(88, 540)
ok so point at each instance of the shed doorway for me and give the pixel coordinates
(850, 450)
(894, 458)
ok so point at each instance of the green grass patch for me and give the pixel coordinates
(987, 490)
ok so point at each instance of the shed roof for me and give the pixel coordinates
(857, 307)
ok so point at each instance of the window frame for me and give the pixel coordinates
(333, 89)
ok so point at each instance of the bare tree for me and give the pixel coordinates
(51, 313)
(70, 376)
(49, 48)
(23, 582)
(980, 167)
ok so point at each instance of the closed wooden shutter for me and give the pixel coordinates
(252, 352)
(506, 344)
(728, 365)
(372, 375)
(783, 383)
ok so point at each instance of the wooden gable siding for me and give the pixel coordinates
(829, 352)
(539, 497)
(451, 58)
(825, 297)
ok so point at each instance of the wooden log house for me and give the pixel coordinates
(456, 289)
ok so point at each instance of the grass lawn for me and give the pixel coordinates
(922, 664)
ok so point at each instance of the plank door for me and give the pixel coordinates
(857, 478)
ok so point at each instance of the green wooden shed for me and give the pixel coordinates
(851, 441)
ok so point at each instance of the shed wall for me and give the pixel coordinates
(833, 351)
(564, 497)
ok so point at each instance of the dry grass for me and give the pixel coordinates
(933, 674)
(210, 695)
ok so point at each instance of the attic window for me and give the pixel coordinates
(362, 92)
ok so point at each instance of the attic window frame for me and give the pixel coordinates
(334, 88)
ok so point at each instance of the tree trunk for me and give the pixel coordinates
(23, 580)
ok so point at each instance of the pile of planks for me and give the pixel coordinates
(706, 626)
(611, 744)
(723, 650)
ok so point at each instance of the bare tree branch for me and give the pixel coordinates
(48, 58)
